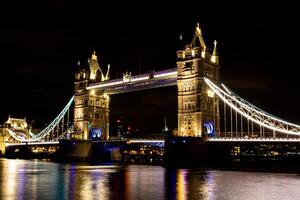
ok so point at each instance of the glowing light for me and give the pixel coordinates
(254, 139)
(145, 141)
(92, 92)
(48, 129)
(104, 85)
(209, 128)
(213, 59)
(203, 54)
(126, 77)
(210, 93)
(181, 184)
(93, 76)
(30, 143)
(94, 57)
(267, 121)
(139, 79)
(105, 95)
(165, 74)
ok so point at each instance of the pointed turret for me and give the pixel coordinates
(198, 35)
(107, 73)
(94, 57)
(94, 67)
(214, 57)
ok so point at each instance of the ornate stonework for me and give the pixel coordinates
(91, 107)
(195, 105)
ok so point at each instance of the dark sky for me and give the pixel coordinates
(41, 41)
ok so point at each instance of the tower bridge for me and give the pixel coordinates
(93, 90)
(207, 110)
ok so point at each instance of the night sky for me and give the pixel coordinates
(40, 44)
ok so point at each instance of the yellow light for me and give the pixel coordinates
(210, 93)
(181, 184)
(193, 52)
(105, 95)
(93, 76)
(92, 92)
(203, 54)
(213, 59)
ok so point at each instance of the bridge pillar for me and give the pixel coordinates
(81, 108)
(91, 107)
(198, 107)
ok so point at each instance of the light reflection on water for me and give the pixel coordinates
(33, 179)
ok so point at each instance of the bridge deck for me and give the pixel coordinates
(140, 82)
(228, 139)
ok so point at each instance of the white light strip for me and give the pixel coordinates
(30, 143)
(256, 109)
(13, 134)
(104, 85)
(140, 79)
(146, 141)
(254, 139)
(217, 90)
(131, 80)
(48, 129)
(55, 122)
(226, 89)
(165, 74)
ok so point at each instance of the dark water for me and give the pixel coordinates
(36, 179)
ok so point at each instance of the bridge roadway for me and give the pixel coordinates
(139, 82)
(137, 140)
(172, 150)
(129, 141)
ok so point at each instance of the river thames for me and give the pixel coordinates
(38, 179)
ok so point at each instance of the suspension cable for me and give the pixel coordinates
(253, 113)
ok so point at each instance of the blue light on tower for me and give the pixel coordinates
(95, 133)
(210, 128)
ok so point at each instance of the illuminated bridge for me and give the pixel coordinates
(242, 121)
(207, 109)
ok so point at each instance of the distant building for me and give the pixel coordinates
(18, 126)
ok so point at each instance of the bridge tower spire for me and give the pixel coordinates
(196, 103)
(214, 57)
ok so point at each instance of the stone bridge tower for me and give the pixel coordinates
(198, 107)
(91, 107)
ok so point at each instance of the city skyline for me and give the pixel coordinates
(257, 53)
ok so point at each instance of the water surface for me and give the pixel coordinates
(37, 179)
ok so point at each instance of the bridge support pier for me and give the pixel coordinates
(183, 151)
(74, 150)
